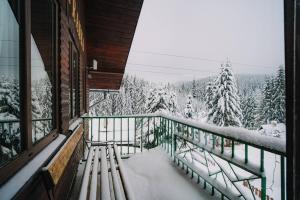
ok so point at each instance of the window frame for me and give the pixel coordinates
(29, 150)
(73, 48)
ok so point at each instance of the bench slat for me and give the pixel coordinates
(116, 183)
(105, 192)
(86, 176)
(126, 184)
(93, 192)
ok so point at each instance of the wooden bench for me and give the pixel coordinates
(114, 183)
(56, 167)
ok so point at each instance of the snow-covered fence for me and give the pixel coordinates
(244, 160)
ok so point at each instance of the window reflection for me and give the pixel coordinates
(10, 138)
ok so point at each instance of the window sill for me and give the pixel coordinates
(15, 183)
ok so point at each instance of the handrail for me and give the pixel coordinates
(271, 144)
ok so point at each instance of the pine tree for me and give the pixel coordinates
(189, 111)
(157, 101)
(279, 96)
(173, 103)
(267, 108)
(273, 103)
(249, 110)
(209, 95)
(194, 89)
(225, 103)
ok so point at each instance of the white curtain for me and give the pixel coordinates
(9, 42)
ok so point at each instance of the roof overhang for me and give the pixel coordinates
(110, 28)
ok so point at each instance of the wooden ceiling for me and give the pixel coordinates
(110, 27)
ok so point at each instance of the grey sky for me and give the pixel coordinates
(249, 32)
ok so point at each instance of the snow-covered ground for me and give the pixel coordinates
(153, 176)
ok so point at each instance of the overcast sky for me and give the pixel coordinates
(179, 40)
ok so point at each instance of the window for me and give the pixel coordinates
(27, 81)
(10, 138)
(74, 81)
(42, 68)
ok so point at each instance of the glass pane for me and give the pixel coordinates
(74, 92)
(10, 139)
(42, 66)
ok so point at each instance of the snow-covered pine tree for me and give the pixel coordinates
(194, 89)
(209, 95)
(225, 104)
(273, 103)
(189, 111)
(249, 110)
(279, 96)
(173, 103)
(157, 101)
(267, 107)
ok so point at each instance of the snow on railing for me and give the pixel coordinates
(252, 137)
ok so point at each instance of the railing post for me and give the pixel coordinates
(232, 149)
(99, 128)
(135, 135)
(282, 171)
(92, 130)
(106, 127)
(141, 145)
(263, 187)
(121, 140)
(128, 136)
(222, 144)
(160, 130)
(246, 153)
(174, 146)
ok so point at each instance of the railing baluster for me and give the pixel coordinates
(106, 127)
(282, 171)
(232, 148)
(168, 143)
(148, 130)
(142, 119)
(135, 135)
(246, 153)
(222, 144)
(262, 160)
(128, 135)
(114, 130)
(121, 128)
(91, 137)
(99, 129)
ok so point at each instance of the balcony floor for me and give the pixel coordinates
(154, 176)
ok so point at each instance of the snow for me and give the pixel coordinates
(153, 176)
(273, 130)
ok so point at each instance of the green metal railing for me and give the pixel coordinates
(230, 162)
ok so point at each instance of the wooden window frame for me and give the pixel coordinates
(29, 150)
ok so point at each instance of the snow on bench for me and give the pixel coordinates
(118, 188)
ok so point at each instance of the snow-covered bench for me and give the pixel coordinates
(113, 180)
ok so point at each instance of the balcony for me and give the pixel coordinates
(226, 163)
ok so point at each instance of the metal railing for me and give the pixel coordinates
(228, 161)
